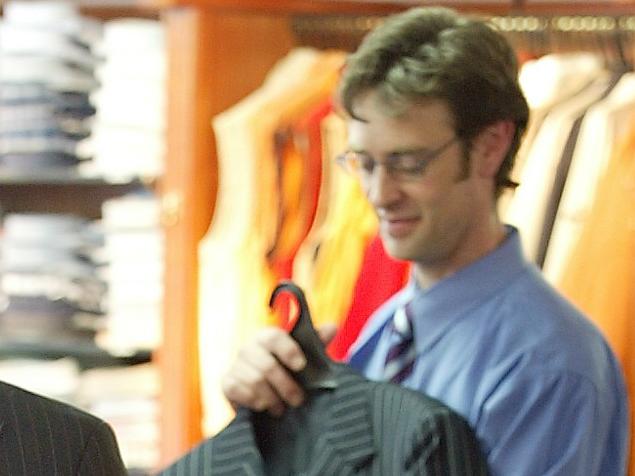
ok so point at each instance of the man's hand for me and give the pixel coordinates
(258, 379)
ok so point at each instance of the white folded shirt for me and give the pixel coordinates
(54, 15)
(28, 41)
(54, 73)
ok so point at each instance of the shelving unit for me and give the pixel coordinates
(59, 193)
(75, 336)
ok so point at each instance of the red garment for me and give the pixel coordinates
(299, 145)
(380, 277)
(301, 142)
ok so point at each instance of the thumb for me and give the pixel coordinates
(327, 332)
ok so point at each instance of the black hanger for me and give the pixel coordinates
(318, 373)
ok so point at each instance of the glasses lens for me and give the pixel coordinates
(408, 166)
(401, 166)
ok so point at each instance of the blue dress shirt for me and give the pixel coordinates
(535, 378)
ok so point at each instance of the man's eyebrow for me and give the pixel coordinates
(356, 150)
(410, 150)
(400, 151)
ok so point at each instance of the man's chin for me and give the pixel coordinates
(398, 251)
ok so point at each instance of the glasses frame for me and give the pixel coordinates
(350, 161)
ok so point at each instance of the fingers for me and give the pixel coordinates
(246, 387)
(280, 344)
(327, 333)
(258, 380)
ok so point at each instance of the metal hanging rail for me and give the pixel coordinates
(345, 31)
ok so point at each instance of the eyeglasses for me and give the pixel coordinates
(403, 166)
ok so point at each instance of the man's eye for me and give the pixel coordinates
(408, 163)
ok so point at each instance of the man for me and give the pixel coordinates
(435, 118)
(39, 436)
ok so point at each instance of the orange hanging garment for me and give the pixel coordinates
(600, 276)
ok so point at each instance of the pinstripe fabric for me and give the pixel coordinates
(42, 437)
(370, 428)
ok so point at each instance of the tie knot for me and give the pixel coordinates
(402, 323)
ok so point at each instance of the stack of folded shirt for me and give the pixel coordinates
(129, 129)
(133, 253)
(49, 280)
(46, 77)
(59, 379)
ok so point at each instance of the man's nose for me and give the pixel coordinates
(381, 188)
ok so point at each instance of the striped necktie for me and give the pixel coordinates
(401, 355)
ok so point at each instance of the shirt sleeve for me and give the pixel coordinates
(548, 425)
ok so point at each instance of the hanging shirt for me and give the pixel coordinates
(234, 279)
(534, 377)
(602, 128)
(244, 238)
(599, 275)
(531, 199)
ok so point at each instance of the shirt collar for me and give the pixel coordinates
(439, 306)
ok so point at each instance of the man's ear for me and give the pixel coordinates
(491, 147)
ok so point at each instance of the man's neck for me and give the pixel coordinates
(428, 274)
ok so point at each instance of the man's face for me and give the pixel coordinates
(430, 219)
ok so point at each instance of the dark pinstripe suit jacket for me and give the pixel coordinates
(43, 437)
(368, 428)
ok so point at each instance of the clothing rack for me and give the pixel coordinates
(610, 34)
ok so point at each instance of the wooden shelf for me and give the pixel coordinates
(61, 176)
(85, 352)
(381, 7)
(352, 7)
(116, 8)
(119, 9)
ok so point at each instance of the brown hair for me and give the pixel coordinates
(435, 52)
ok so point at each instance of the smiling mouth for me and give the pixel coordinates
(399, 228)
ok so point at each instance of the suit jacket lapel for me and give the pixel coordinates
(234, 451)
(348, 441)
